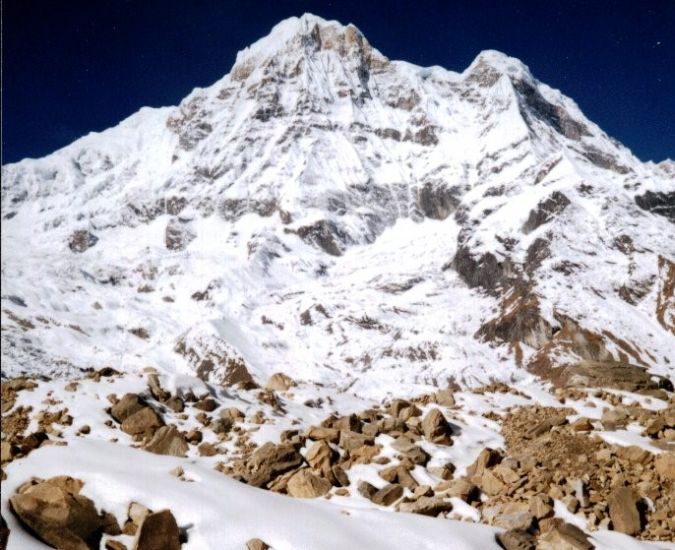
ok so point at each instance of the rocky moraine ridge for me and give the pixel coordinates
(332, 286)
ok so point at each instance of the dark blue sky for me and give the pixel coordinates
(71, 67)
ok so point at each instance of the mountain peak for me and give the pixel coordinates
(304, 35)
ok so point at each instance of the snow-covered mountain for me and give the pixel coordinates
(325, 211)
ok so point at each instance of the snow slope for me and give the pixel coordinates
(341, 217)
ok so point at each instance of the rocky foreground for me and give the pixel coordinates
(548, 468)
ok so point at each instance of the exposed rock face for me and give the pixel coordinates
(58, 515)
(81, 240)
(158, 531)
(658, 203)
(178, 235)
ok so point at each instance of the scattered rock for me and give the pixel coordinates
(387, 495)
(624, 512)
(158, 531)
(207, 404)
(564, 536)
(516, 539)
(280, 382)
(428, 506)
(436, 428)
(167, 441)
(58, 515)
(142, 422)
(305, 484)
(269, 461)
(125, 407)
(257, 544)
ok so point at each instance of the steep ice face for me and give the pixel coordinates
(350, 219)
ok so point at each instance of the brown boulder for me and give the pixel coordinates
(350, 440)
(58, 515)
(428, 506)
(305, 484)
(517, 539)
(167, 441)
(665, 465)
(144, 421)
(257, 544)
(158, 531)
(387, 495)
(269, 461)
(125, 407)
(624, 512)
(436, 428)
(321, 457)
(564, 536)
(280, 382)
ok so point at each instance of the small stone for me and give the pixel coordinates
(176, 404)
(463, 489)
(85, 429)
(257, 544)
(350, 440)
(269, 461)
(156, 389)
(207, 404)
(428, 506)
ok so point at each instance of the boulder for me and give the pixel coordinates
(320, 432)
(462, 489)
(167, 441)
(144, 421)
(280, 382)
(366, 490)
(156, 389)
(665, 466)
(445, 398)
(257, 544)
(436, 428)
(350, 440)
(623, 511)
(517, 539)
(387, 495)
(269, 461)
(207, 404)
(486, 459)
(125, 407)
(564, 536)
(305, 484)
(321, 457)
(428, 506)
(491, 484)
(81, 240)
(55, 512)
(158, 531)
